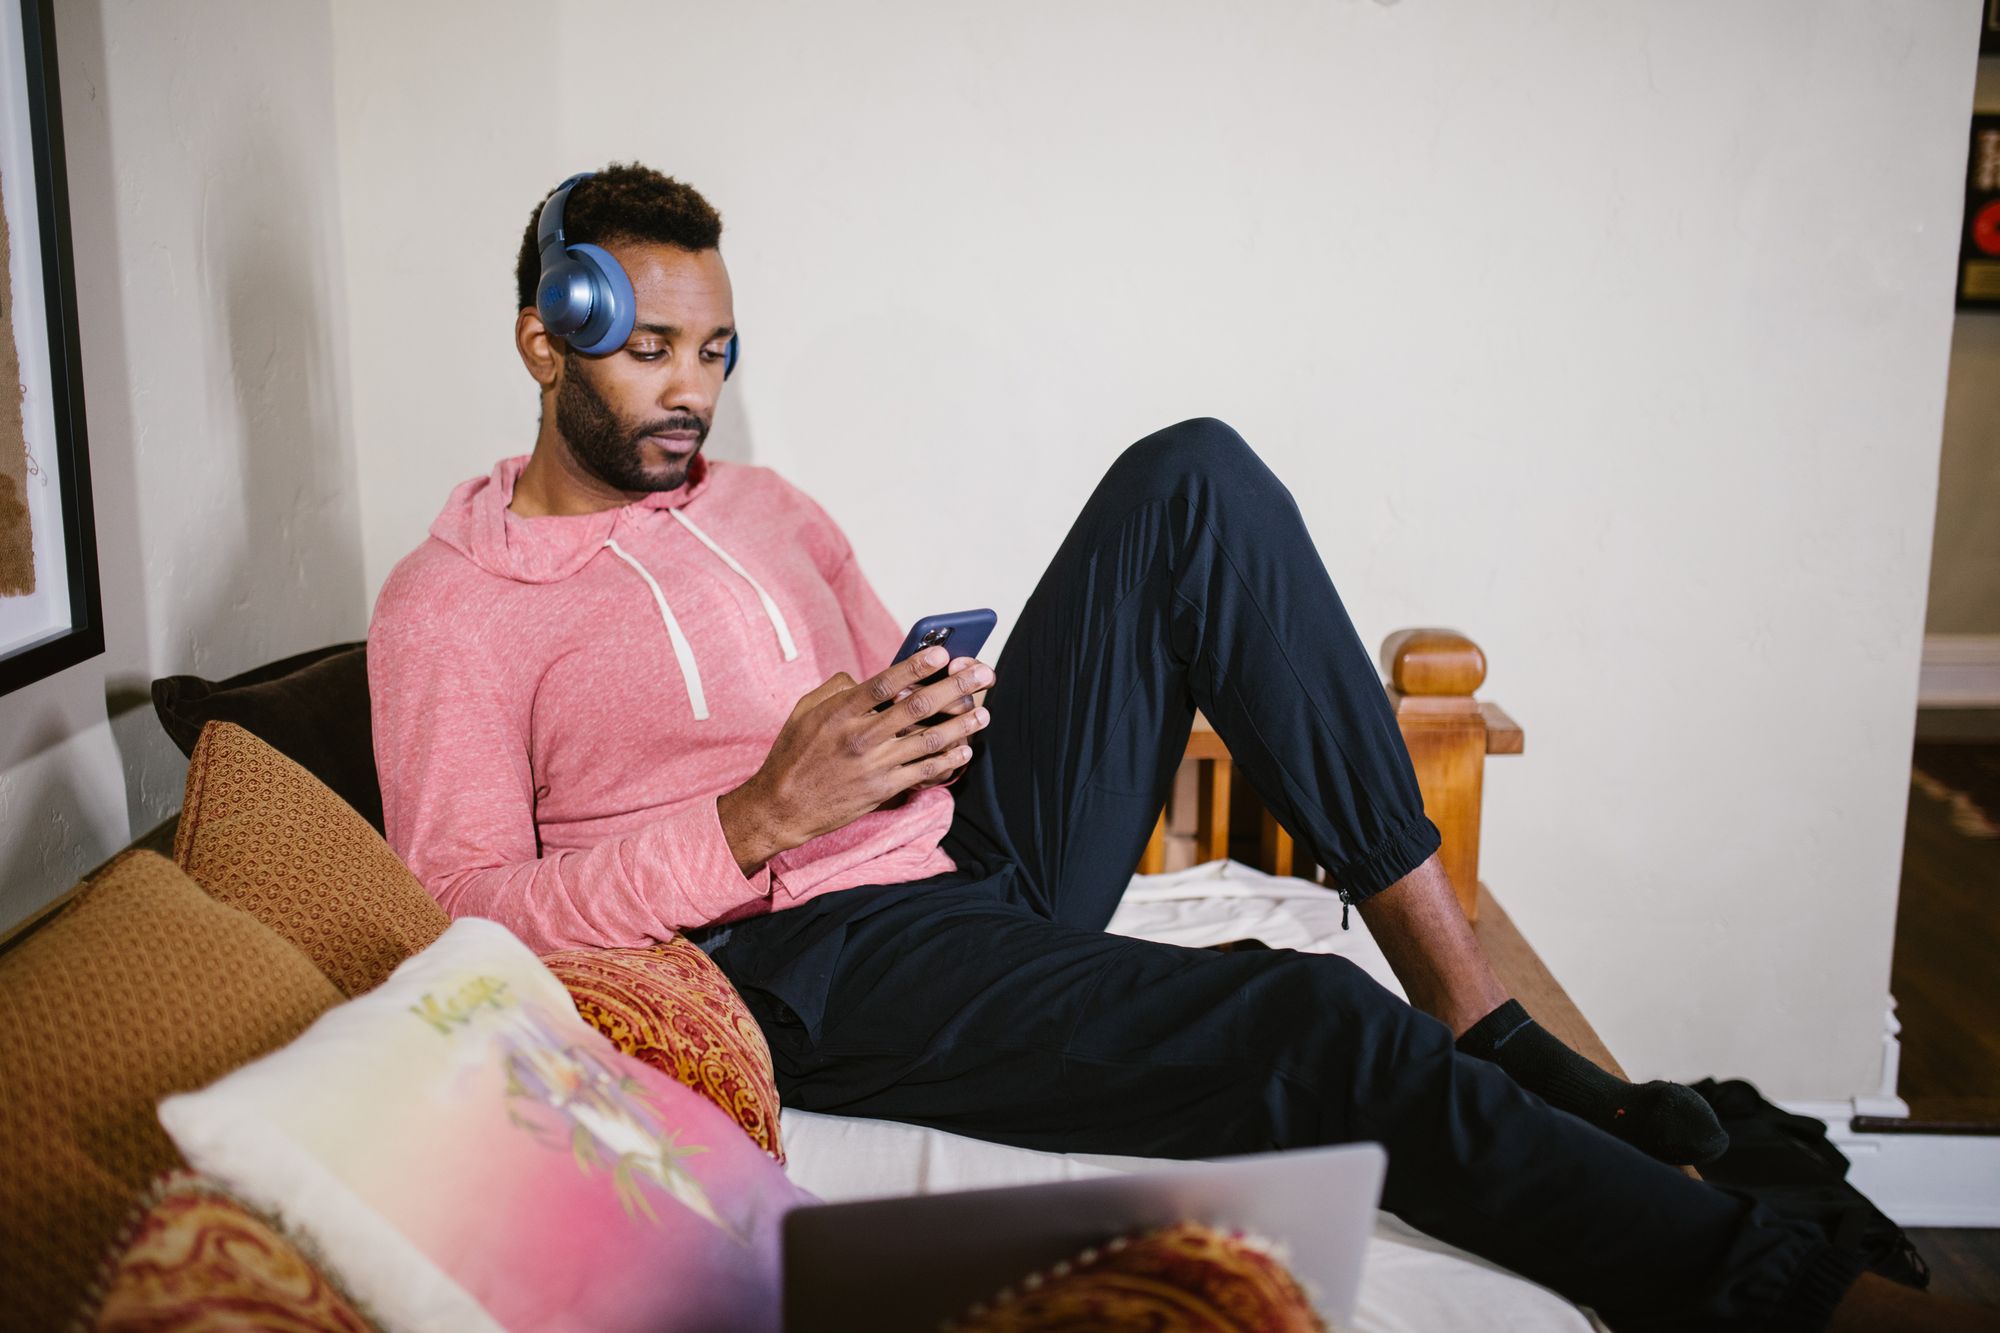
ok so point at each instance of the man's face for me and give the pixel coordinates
(635, 418)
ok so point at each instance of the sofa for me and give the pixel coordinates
(272, 901)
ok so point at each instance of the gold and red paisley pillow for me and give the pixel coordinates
(196, 1259)
(672, 1008)
(1187, 1278)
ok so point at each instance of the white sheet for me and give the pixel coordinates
(1410, 1284)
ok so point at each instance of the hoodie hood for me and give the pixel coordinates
(478, 525)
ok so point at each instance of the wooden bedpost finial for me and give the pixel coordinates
(1432, 662)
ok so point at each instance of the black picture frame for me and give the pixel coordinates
(1979, 232)
(69, 446)
(1989, 28)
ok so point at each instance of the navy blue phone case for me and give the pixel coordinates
(962, 633)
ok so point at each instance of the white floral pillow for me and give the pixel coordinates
(465, 1152)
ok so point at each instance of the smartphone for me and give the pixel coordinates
(961, 633)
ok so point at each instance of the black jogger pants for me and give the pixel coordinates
(990, 1002)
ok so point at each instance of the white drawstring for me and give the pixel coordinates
(683, 652)
(770, 607)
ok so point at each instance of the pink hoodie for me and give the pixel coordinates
(558, 701)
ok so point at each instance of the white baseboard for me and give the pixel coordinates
(1919, 1180)
(1926, 1180)
(1960, 671)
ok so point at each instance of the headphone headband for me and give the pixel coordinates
(549, 229)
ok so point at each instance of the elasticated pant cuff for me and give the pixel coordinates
(1394, 857)
(1807, 1305)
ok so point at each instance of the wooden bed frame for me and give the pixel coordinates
(1431, 676)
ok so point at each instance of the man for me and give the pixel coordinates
(623, 690)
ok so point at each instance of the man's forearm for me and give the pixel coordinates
(753, 837)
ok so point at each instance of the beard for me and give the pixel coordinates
(609, 449)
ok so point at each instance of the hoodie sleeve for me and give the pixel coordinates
(451, 750)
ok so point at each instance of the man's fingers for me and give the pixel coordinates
(941, 697)
(942, 745)
(965, 703)
(898, 680)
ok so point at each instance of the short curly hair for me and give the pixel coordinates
(623, 202)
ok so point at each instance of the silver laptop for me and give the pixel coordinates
(886, 1265)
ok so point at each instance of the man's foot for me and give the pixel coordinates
(1668, 1120)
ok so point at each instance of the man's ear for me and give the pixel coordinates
(539, 350)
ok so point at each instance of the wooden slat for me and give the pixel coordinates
(1212, 833)
(1155, 858)
(1276, 845)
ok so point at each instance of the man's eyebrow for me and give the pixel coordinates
(670, 330)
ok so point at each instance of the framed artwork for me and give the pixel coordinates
(1989, 28)
(1979, 242)
(50, 613)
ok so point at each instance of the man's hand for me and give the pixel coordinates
(836, 758)
(964, 703)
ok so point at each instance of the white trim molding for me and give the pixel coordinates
(1926, 1180)
(1919, 1180)
(1960, 671)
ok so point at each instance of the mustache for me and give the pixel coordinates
(679, 422)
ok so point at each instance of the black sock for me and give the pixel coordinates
(1668, 1120)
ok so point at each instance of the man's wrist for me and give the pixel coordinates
(752, 839)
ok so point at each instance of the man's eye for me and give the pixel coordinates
(712, 353)
(647, 351)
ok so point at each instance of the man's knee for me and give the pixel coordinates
(1201, 451)
(1199, 443)
(1202, 434)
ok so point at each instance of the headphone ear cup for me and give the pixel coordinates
(729, 357)
(611, 303)
(564, 297)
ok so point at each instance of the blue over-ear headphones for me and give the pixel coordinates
(583, 294)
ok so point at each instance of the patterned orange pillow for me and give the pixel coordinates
(142, 986)
(1180, 1279)
(669, 1006)
(196, 1259)
(259, 832)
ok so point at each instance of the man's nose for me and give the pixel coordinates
(689, 388)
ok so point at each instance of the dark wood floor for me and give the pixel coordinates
(1944, 977)
(1945, 980)
(1965, 1264)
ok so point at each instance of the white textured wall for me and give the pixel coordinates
(202, 177)
(1614, 336)
(1965, 563)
